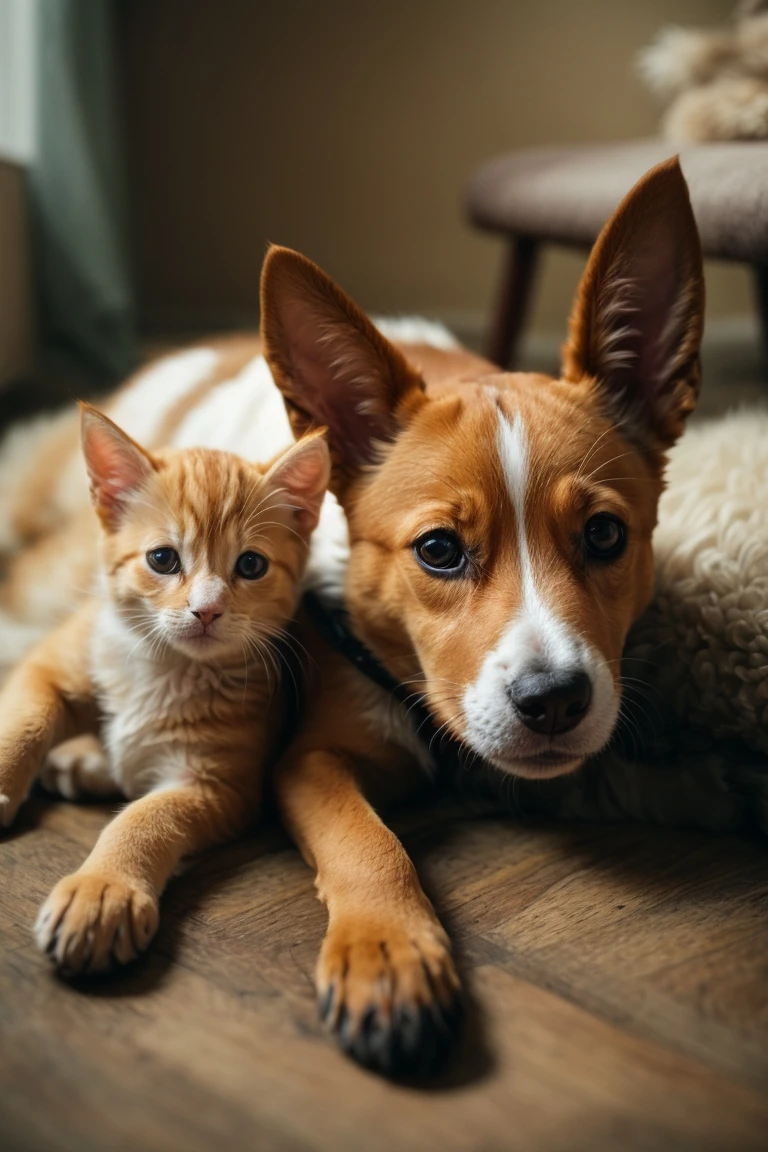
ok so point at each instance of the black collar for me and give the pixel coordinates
(334, 626)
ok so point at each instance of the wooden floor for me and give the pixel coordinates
(618, 983)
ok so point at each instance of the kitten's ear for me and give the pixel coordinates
(331, 364)
(301, 475)
(638, 316)
(116, 464)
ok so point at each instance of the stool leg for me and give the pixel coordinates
(514, 294)
(761, 291)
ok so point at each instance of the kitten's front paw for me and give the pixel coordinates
(390, 992)
(78, 767)
(92, 922)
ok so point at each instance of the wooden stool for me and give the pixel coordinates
(564, 195)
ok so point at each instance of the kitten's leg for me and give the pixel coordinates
(46, 699)
(385, 979)
(78, 767)
(107, 911)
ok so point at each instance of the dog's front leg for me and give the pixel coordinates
(385, 979)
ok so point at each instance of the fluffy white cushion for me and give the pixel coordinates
(706, 633)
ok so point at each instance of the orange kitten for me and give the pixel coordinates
(202, 556)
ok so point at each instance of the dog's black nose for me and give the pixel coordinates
(551, 702)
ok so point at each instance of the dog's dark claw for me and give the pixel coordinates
(371, 1043)
(414, 1041)
(325, 1003)
(343, 1026)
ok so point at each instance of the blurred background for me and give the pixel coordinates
(149, 149)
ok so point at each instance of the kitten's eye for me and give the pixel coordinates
(251, 565)
(605, 536)
(166, 561)
(441, 553)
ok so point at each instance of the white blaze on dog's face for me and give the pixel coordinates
(500, 523)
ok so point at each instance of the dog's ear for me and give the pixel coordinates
(334, 369)
(637, 320)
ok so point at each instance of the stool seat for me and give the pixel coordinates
(564, 195)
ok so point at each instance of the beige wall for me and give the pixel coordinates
(347, 129)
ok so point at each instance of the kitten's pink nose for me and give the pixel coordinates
(206, 616)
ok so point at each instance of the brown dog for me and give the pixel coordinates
(499, 551)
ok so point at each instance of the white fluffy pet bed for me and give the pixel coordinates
(693, 742)
(707, 630)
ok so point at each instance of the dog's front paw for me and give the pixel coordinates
(78, 767)
(389, 991)
(92, 922)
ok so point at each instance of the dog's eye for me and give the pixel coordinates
(166, 561)
(605, 536)
(441, 553)
(251, 565)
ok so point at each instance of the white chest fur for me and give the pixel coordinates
(150, 707)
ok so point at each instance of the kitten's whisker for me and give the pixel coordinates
(287, 527)
(264, 652)
(291, 641)
(257, 514)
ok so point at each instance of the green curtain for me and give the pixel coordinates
(78, 189)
